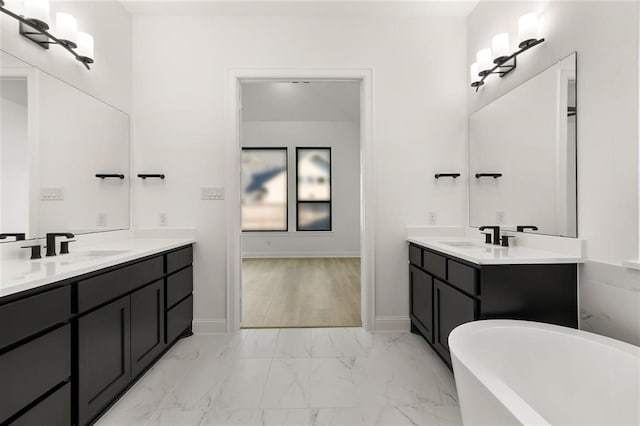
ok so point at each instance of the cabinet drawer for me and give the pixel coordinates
(434, 264)
(54, 410)
(415, 255)
(109, 286)
(179, 318)
(179, 286)
(464, 277)
(30, 370)
(179, 259)
(25, 317)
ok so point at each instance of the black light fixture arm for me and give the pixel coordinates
(41, 31)
(493, 175)
(109, 175)
(151, 175)
(451, 175)
(503, 67)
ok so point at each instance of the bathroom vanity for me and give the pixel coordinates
(453, 281)
(78, 330)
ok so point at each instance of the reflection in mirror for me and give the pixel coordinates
(529, 137)
(54, 139)
(14, 155)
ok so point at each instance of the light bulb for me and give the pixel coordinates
(38, 11)
(67, 29)
(85, 45)
(476, 80)
(474, 72)
(485, 60)
(500, 47)
(527, 29)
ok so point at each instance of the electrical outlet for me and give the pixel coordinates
(102, 219)
(212, 193)
(500, 217)
(52, 194)
(432, 218)
(164, 221)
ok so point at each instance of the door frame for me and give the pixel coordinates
(235, 77)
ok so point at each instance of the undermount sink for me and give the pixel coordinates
(470, 244)
(87, 255)
(101, 253)
(460, 244)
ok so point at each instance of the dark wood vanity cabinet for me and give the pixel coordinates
(421, 287)
(71, 351)
(451, 308)
(104, 357)
(147, 326)
(446, 292)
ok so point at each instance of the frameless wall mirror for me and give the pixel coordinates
(54, 140)
(522, 155)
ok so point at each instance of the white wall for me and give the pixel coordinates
(603, 33)
(419, 124)
(344, 140)
(110, 24)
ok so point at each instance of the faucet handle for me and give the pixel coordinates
(487, 237)
(19, 236)
(36, 252)
(505, 240)
(64, 246)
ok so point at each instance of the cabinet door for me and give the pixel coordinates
(421, 287)
(147, 325)
(104, 357)
(452, 308)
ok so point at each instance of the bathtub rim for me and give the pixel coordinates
(506, 396)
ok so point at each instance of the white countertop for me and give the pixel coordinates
(21, 275)
(474, 251)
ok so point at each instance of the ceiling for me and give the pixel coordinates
(312, 101)
(309, 8)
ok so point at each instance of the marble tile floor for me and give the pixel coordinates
(319, 376)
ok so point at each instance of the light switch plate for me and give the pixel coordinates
(432, 218)
(102, 220)
(212, 193)
(52, 194)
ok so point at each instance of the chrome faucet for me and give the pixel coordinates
(51, 241)
(496, 233)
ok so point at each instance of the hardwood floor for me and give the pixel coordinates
(301, 292)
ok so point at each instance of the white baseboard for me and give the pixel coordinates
(281, 254)
(392, 324)
(209, 326)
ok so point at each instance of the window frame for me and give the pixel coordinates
(286, 170)
(330, 201)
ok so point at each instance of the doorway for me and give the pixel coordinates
(233, 152)
(300, 203)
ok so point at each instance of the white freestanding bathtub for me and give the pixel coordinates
(529, 373)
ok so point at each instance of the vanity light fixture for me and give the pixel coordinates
(497, 59)
(34, 25)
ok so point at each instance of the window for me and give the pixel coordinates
(313, 189)
(264, 189)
